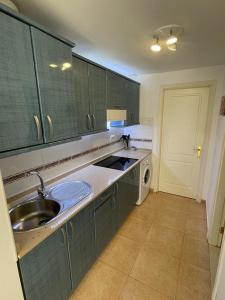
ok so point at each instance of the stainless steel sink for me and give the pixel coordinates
(33, 214)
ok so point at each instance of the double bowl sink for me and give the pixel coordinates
(39, 211)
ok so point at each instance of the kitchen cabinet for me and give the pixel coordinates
(80, 69)
(81, 243)
(53, 61)
(132, 103)
(20, 123)
(97, 94)
(116, 91)
(127, 194)
(123, 93)
(90, 90)
(45, 270)
(105, 218)
(54, 268)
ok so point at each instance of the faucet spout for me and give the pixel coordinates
(41, 191)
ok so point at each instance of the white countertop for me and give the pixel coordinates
(99, 179)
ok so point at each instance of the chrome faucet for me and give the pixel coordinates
(41, 191)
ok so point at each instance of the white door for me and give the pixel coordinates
(183, 128)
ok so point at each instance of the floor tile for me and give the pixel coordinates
(196, 252)
(135, 290)
(194, 284)
(196, 227)
(157, 270)
(172, 219)
(175, 202)
(101, 283)
(135, 229)
(121, 253)
(144, 213)
(197, 210)
(168, 241)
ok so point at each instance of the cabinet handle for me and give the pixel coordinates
(94, 121)
(50, 126)
(71, 226)
(89, 122)
(64, 235)
(38, 126)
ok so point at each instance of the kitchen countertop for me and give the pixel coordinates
(99, 179)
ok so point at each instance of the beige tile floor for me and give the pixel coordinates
(160, 253)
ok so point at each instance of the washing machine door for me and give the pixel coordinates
(147, 176)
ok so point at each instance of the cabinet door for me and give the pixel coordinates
(104, 220)
(18, 90)
(132, 103)
(45, 270)
(127, 193)
(56, 88)
(115, 91)
(81, 240)
(97, 93)
(80, 69)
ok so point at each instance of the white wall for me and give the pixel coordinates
(151, 88)
(10, 287)
(219, 287)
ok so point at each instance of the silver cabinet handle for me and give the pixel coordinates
(63, 235)
(94, 121)
(38, 126)
(89, 121)
(50, 126)
(71, 226)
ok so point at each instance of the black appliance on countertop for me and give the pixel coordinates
(116, 162)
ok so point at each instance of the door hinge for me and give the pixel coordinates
(222, 230)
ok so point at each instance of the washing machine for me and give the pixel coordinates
(145, 178)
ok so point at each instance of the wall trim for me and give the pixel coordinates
(18, 176)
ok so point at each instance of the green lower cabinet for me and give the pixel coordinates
(45, 271)
(53, 269)
(127, 194)
(104, 219)
(81, 243)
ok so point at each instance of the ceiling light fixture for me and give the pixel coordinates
(172, 47)
(155, 47)
(168, 36)
(172, 39)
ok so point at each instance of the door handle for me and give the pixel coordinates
(63, 236)
(89, 121)
(72, 231)
(198, 150)
(93, 121)
(50, 126)
(38, 126)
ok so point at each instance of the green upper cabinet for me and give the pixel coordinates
(97, 94)
(132, 102)
(123, 93)
(20, 124)
(90, 90)
(80, 69)
(116, 91)
(53, 60)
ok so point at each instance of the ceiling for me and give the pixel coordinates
(118, 33)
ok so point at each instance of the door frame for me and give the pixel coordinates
(157, 146)
(214, 237)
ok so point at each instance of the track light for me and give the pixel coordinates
(155, 47)
(172, 39)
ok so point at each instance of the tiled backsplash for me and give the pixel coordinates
(57, 160)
